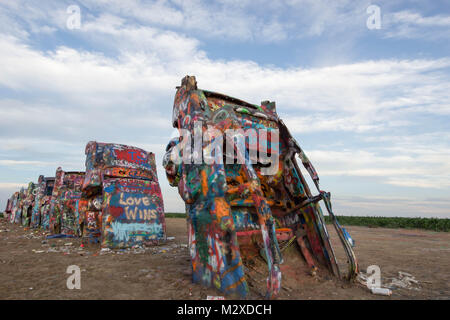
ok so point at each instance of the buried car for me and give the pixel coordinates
(28, 203)
(16, 212)
(235, 167)
(122, 199)
(43, 193)
(12, 206)
(63, 213)
(46, 203)
(9, 206)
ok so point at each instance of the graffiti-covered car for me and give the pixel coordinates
(71, 195)
(123, 201)
(12, 206)
(45, 211)
(63, 213)
(43, 193)
(28, 203)
(16, 214)
(9, 206)
(235, 167)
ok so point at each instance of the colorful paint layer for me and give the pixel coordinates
(122, 198)
(242, 197)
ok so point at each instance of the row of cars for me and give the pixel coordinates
(247, 201)
(27, 206)
(117, 201)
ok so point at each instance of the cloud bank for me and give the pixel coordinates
(374, 129)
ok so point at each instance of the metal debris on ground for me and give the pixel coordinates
(381, 291)
(404, 281)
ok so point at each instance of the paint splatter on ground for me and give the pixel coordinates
(34, 268)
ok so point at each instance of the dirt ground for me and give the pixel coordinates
(34, 268)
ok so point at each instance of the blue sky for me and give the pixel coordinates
(370, 107)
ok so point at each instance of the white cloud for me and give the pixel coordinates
(418, 165)
(261, 21)
(434, 182)
(58, 100)
(108, 89)
(20, 162)
(12, 185)
(409, 24)
(415, 18)
(391, 206)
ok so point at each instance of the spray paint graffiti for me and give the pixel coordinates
(16, 213)
(63, 213)
(69, 203)
(123, 197)
(124, 232)
(238, 201)
(11, 207)
(28, 203)
(44, 191)
(45, 212)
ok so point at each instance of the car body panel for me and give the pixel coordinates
(232, 204)
(122, 200)
(63, 213)
(44, 190)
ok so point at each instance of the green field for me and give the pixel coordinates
(434, 224)
(175, 215)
